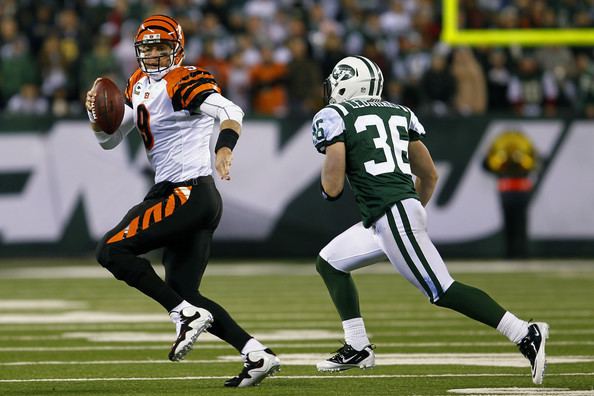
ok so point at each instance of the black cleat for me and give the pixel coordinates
(347, 358)
(533, 348)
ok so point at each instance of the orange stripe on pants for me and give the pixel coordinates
(133, 227)
(170, 207)
(153, 211)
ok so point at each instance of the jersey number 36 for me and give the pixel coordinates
(399, 149)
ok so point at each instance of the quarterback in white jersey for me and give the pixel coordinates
(174, 108)
(378, 146)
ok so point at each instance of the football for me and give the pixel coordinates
(109, 105)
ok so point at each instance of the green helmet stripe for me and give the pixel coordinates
(380, 79)
(371, 71)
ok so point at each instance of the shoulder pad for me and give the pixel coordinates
(134, 78)
(189, 86)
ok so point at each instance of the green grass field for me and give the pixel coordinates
(66, 328)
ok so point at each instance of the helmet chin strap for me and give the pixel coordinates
(158, 75)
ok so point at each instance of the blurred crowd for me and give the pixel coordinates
(271, 56)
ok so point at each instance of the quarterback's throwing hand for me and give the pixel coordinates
(223, 162)
(90, 99)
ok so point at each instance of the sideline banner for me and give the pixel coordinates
(59, 191)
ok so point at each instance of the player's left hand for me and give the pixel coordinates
(223, 162)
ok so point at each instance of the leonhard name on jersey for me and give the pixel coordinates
(359, 104)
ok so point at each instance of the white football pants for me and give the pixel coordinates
(401, 235)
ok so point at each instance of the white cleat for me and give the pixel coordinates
(192, 322)
(257, 366)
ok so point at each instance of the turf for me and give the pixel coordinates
(93, 335)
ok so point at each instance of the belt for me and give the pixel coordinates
(164, 188)
(195, 181)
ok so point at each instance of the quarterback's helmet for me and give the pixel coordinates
(353, 77)
(159, 45)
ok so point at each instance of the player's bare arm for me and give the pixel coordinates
(333, 170)
(423, 168)
(230, 116)
(224, 156)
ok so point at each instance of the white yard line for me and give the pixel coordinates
(80, 317)
(32, 304)
(106, 362)
(521, 391)
(302, 268)
(216, 344)
(382, 359)
(288, 377)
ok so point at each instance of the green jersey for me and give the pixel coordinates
(376, 136)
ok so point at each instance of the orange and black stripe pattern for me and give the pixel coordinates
(154, 214)
(164, 25)
(137, 75)
(188, 87)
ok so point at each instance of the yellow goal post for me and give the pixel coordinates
(452, 35)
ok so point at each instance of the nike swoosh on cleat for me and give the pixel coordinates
(349, 359)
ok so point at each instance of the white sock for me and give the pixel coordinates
(174, 313)
(251, 346)
(355, 334)
(513, 328)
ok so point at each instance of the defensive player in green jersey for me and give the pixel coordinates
(378, 146)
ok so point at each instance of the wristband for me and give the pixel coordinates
(227, 138)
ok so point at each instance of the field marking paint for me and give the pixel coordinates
(559, 330)
(385, 359)
(91, 317)
(84, 348)
(143, 326)
(206, 343)
(20, 305)
(286, 377)
(521, 391)
(107, 362)
(304, 268)
(130, 336)
(210, 342)
(123, 317)
(83, 317)
(418, 359)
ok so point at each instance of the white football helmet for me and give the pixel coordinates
(354, 77)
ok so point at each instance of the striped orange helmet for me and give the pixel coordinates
(159, 45)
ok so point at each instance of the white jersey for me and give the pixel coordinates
(176, 134)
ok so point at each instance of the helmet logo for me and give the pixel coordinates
(167, 37)
(343, 72)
